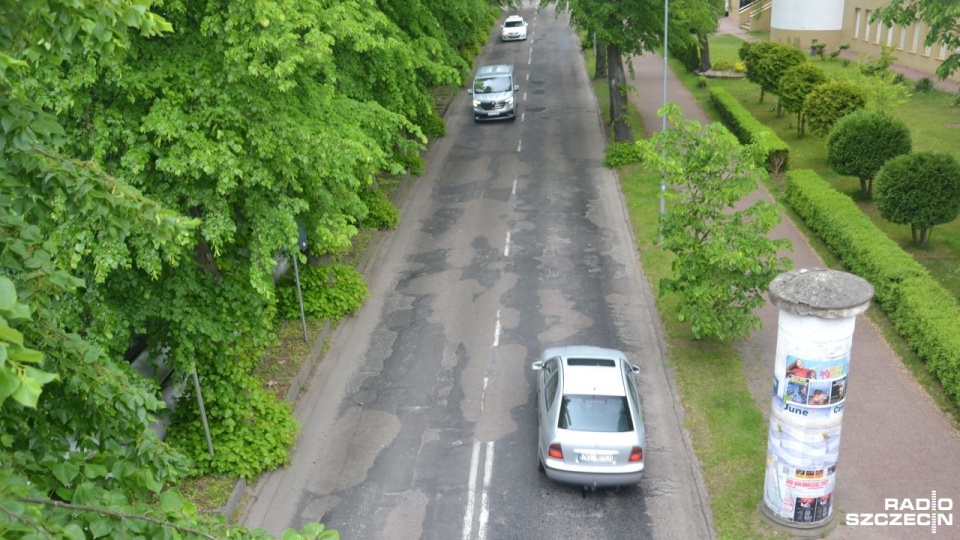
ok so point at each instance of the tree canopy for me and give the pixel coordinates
(920, 189)
(157, 159)
(724, 260)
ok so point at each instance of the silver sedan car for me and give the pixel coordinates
(591, 423)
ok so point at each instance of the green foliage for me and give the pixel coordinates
(724, 260)
(863, 141)
(886, 91)
(795, 85)
(829, 102)
(923, 312)
(619, 154)
(924, 85)
(156, 181)
(723, 65)
(329, 292)
(922, 189)
(819, 49)
(879, 65)
(748, 129)
(768, 61)
(381, 213)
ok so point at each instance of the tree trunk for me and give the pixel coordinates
(866, 188)
(705, 64)
(617, 81)
(601, 51)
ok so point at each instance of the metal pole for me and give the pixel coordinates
(303, 319)
(663, 181)
(203, 411)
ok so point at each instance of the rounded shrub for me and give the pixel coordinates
(921, 189)
(829, 102)
(863, 141)
(381, 213)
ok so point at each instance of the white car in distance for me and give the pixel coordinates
(513, 29)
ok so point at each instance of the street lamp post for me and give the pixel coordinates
(663, 182)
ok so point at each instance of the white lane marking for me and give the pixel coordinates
(528, 76)
(519, 145)
(530, 56)
(514, 190)
(496, 331)
(485, 498)
(523, 115)
(471, 489)
(524, 96)
(483, 393)
(506, 246)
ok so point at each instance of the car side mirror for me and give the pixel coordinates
(537, 366)
(470, 90)
(635, 369)
(516, 87)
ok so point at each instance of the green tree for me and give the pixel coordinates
(922, 189)
(862, 142)
(829, 102)
(942, 16)
(795, 85)
(751, 53)
(77, 455)
(724, 260)
(774, 63)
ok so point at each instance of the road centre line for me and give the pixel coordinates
(484, 496)
(496, 331)
(506, 246)
(471, 491)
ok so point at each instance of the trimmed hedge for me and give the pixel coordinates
(922, 311)
(742, 124)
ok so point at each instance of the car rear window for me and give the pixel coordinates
(609, 414)
(512, 24)
(602, 362)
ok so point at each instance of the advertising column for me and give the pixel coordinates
(817, 312)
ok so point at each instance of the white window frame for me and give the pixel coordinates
(856, 23)
(916, 37)
(866, 33)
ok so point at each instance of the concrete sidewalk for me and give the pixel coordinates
(895, 442)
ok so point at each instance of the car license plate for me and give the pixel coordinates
(594, 457)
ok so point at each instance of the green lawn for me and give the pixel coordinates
(934, 124)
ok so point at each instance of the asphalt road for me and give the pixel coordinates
(420, 422)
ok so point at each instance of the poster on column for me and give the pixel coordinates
(803, 448)
(813, 382)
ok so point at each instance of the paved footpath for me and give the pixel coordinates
(895, 442)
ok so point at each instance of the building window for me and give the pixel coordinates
(889, 36)
(943, 50)
(926, 50)
(866, 30)
(856, 23)
(879, 31)
(903, 37)
(916, 36)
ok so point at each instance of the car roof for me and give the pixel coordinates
(587, 378)
(514, 18)
(495, 70)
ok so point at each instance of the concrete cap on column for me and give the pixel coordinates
(821, 292)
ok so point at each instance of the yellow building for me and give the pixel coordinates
(805, 22)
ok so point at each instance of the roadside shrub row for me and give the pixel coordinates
(923, 312)
(743, 124)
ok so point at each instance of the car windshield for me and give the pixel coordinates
(513, 24)
(595, 413)
(491, 86)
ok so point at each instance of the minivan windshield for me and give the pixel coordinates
(493, 85)
(609, 414)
